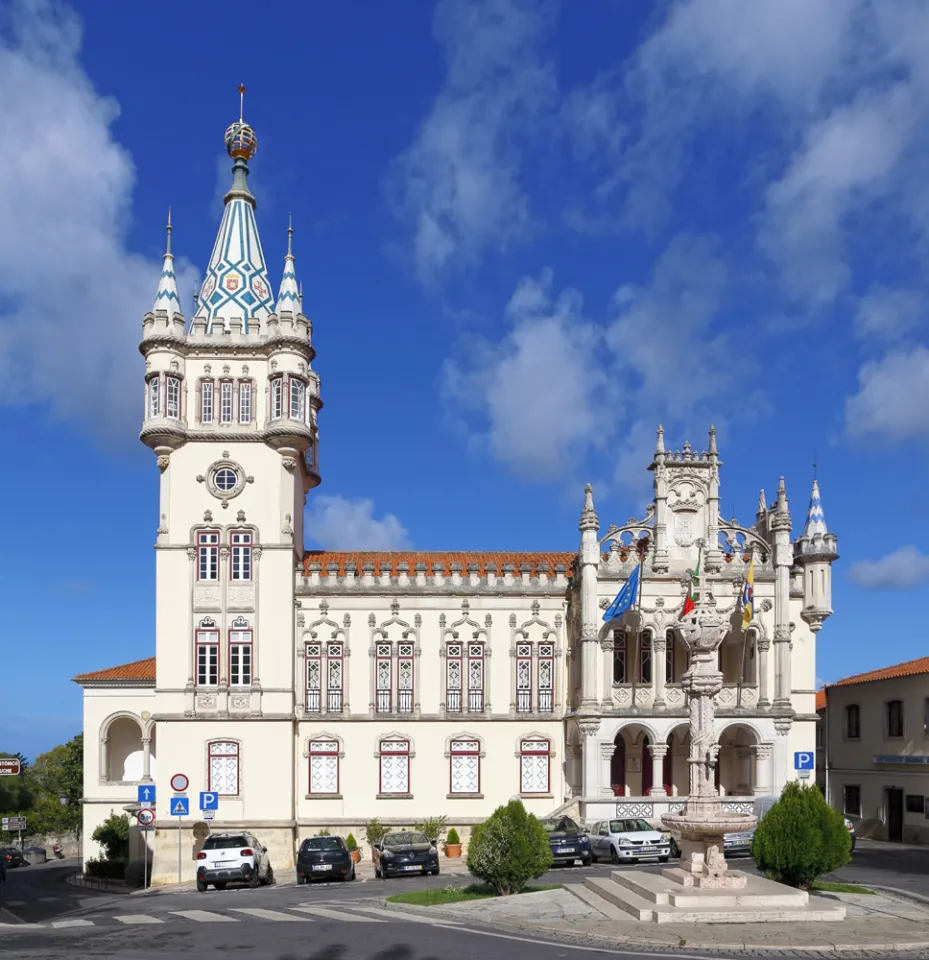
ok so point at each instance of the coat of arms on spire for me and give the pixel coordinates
(236, 282)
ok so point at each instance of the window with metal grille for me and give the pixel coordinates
(314, 673)
(225, 401)
(245, 401)
(324, 767)
(207, 653)
(383, 677)
(534, 765)
(475, 677)
(208, 555)
(523, 678)
(619, 656)
(453, 677)
(224, 767)
(546, 677)
(405, 662)
(240, 656)
(334, 667)
(240, 557)
(206, 401)
(173, 404)
(394, 756)
(465, 766)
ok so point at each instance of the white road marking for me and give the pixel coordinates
(270, 914)
(336, 915)
(72, 923)
(132, 918)
(203, 916)
(412, 918)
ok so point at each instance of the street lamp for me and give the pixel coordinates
(63, 799)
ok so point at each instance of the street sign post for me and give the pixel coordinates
(179, 783)
(209, 815)
(209, 801)
(180, 808)
(147, 794)
(9, 767)
(145, 818)
(15, 823)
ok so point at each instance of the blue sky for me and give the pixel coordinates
(528, 233)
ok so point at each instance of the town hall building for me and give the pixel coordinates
(317, 689)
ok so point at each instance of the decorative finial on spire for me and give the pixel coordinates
(589, 518)
(290, 235)
(762, 505)
(167, 298)
(301, 294)
(713, 449)
(288, 296)
(241, 139)
(659, 447)
(241, 103)
(781, 495)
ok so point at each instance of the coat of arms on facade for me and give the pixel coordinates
(260, 288)
(683, 531)
(232, 284)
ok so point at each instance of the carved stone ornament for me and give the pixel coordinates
(684, 535)
(207, 516)
(163, 526)
(220, 471)
(240, 516)
(589, 726)
(766, 605)
(240, 701)
(604, 602)
(163, 463)
(289, 464)
(207, 701)
(191, 553)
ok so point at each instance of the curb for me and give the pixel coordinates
(662, 946)
(895, 893)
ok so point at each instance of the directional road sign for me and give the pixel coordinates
(14, 823)
(179, 783)
(209, 801)
(180, 807)
(209, 815)
(804, 760)
(9, 766)
(146, 817)
(147, 793)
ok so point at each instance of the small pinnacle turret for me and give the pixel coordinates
(816, 550)
(712, 449)
(589, 518)
(167, 298)
(289, 296)
(815, 517)
(762, 506)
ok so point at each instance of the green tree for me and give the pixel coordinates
(113, 836)
(57, 773)
(801, 838)
(15, 792)
(509, 849)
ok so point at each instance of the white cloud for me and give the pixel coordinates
(887, 314)
(72, 295)
(892, 402)
(458, 186)
(903, 569)
(336, 523)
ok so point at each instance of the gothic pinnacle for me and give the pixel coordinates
(589, 518)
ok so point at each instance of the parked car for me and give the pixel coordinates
(12, 857)
(405, 852)
(569, 841)
(735, 844)
(233, 858)
(631, 840)
(323, 858)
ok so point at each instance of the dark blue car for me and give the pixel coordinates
(569, 842)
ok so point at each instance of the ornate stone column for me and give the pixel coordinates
(659, 752)
(659, 668)
(783, 561)
(104, 759)
(590, 560)
(591, 775)
(606, 645)
(763, 647)
(606, 768)
(763, 780)
(146, 759)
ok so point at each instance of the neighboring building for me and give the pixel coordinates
(877, 753)
(313, 689)
(821, 740)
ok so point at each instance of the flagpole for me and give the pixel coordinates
(637, 670)
(738, 699)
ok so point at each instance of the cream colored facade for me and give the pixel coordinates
(322, 689)
(877, 751)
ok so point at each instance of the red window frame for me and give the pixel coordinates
(207, 389)
(245, 394)
(335, 653)
(330, 751)
(204, 547)
(201, 643)
(406, 653)
(546, 655)
(226, 392)
(527, 751)
(524, 656)
(176, 382)
(474, 751)
(462, 681)
(242, 637)
(482, 658)
(379, 658)
(313, 652)
(240, 551)
(276, 394)
(404, 752)
(238, 766)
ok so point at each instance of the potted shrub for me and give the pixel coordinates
(375, 831)
(352, 845)
(453, 845)
(433, 828)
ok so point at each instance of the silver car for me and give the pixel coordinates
(629, 840)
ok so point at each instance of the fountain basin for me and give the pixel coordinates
(708, 826)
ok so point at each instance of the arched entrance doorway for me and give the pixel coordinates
(618, 766)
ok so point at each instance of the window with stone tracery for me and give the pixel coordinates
(324, 767)
(173, 395)
(314, 673)
(154, 396)
(465, 766)
(619, 656)
(475, 677)
(523, 678)
(383, 677)
(223, 761)
(225, 401)
(405, 661)
(645, 657)
(546, 677)
(453, 677)
(394, 761)
(206, 401)
(245, 401)
(334, 669)
(535, 766)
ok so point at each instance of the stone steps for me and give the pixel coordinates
(656, 889)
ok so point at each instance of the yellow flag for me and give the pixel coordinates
(748, 594)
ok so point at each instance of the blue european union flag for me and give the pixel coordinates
(625, 598)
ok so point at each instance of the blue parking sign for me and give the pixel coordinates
(209, 801)
(804, 760)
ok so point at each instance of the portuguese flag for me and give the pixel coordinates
(691, 601)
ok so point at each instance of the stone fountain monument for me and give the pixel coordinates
(702, 889)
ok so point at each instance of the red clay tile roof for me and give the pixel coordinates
(820, 699)
(142, 670)
(911, 668)
(446, 558)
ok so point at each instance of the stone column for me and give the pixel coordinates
(782, 680)
(783, 561)
(606, 768)
(763, 780)
(590, 561)
(763, 647)
(105, 759)
(146, 759)
(591, 774)
(606, 645)
(659, 666)
(658, 752)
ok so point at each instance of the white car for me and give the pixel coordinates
(233, 858)
(629, 840)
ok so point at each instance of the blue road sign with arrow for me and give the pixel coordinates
(804, 760)
(146, 794)
(209, 801)
(180, 807)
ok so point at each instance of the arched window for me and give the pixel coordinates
(223, 762)
(464, 766)
(324, 767)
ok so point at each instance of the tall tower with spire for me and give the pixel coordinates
(231, 406)
(815, 551)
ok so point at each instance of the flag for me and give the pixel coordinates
(748, 594)
(691, 600)
(626, 596)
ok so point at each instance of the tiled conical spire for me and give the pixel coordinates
(288, 297)
(236, 282)
(815, 517)
(167, 298)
